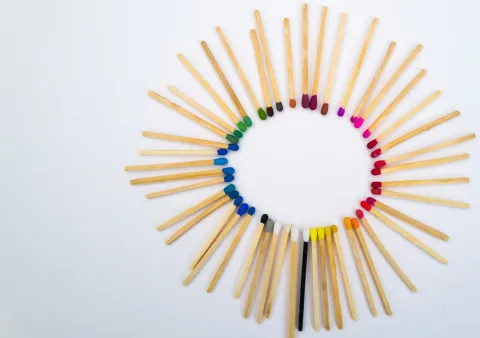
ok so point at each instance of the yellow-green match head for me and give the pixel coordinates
(321, 232)
(313, 234)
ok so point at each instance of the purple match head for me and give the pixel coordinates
(372, 144)
(242, 209)
(238, 201)
(366, 133)
(251, 211)
(359, 122)
(353, 119)
(371, 200)
(313, 102)
(341, 111)
(305, 101)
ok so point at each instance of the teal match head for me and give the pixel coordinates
(238, 133)
(228, 178)
(222, 151)
(220, 161)
(251, 211)
(233, 195)
(261, 114)
(228, 170)
(248, 121)
(238, 201)
(243, 209)
(231, 139)
(242, 126)
(229, 188)
(233, 147)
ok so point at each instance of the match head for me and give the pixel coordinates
(222, 151)
(229, 188)
(243, 209)
(277, 228)
(220, 161)
(294, 234)
(270, 111)
(261, 114)
(248, 121)
(231, 139)
(348, 223)
(365, 205)
(233, 147)
(313, 102)
(371, 200)
(355, 224)
(233, 195)
(306, 235)
(328, 231)
(305, 100)
(321, 232)
(341, 111)
(228, 178)
(376, 171)
(324, 109)
(334, 229)
(228, 170)
(353, 119)
(359, 213)
(264, 218)
(376, 153)
(359, 122)
(279, 106)
(241, 126)
(269, 225)
(238, 133)
(293, 103)
(376, 191)
(376, 184)
(372, 143)
(238, 201)
(380, 164)
(313, 234)
(366, 134)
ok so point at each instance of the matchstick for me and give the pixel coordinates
(266, 53)
(333, 67)
(384, 251)
(360, 268)
(193, 117)
(419, 198)
(179, 152)
(258, 267)
(177, 218)
(410, 220)
(305, 99)
(405, 91)
(288, 52)
(333, 274)
(240, 72)
(387, 221)
(250, 255)
(159, 166)
(366, 113)
(231, 249)
(301, 304)
(343, 269)
(261, 73)
(323, 273)
(207, 143)
(358, 67)
(183, 176)
(268, 271)
(196, 74)
(226, 178)
(372, 85)
(315, 284)
(410, 183)
(411, 134)
(318, 61)
(293, 283)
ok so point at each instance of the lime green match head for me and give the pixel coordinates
(261, 114)
(248, 121)
(231, 139)
(242, 126)
(238, 133)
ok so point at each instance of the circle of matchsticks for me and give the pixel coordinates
(270, 240)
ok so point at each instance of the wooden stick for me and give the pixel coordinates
(231, 249)
(268, 271)
(209, 210)
(169, 137)
(239, 69)
(258, 267)
(410, 220)
(387, 221)
(209, 89)
(318, 61)
(408, 116)
(185, 188)
(405, 91)
(288, 52)
(283, 242)
(181, 176)
(414, 133)
(315, 284)
(323, 273)
(360, 268)
(266, 53)
(159, 166)
(428, 149)
(333, 274)
(409, 183)
(249, 258)
(293, 284)
(202, 109)
(358, 66)
(372, 85)
(177, 152)
(422, 164)
(343, 269)
(333, 67)
(419, 198)
(385, 252)
(371, 266)
(261, 73)
(305, 54)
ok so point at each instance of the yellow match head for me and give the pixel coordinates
(321, 232)
(334, 229)
(328, 231)
(355, 224)
(348, 223)
(313, 234)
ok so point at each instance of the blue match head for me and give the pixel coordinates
(251, 211)
(233, 195)
(243, 209)
(233, 147)
(228, 178)
(222, 151)
(220, 161)
(264, 218)
(229, 188)
(238, 201)
(228, 170)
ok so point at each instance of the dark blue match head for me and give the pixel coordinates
(233, 195)
(228, 170)
(264, 218)
(238, 201)
(228, 178)
(229, 188)
(243, 209)
(220, 161)
(251, 211)
(222, 151)
(233, 147)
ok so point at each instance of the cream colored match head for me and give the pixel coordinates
(286, 228)
(294, 234)
(277, 228)
(306, 235)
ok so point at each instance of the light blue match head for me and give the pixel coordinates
(233, 195)
(251, 211)
(228, 170)
(238, 201)
(243, 209)
(233, 147)
(222, 151)
(228, 178)
(220, 161)
(229, 188)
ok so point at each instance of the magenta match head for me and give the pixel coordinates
(380, 164)
(359, 122)
(341, 111)
(366, 206)
(376, 184)
(305, 100)
(372, 143)
(366, 133)
(371, 201)
(313, 102)
(376, 153)
(376, 191)
(359, 213)
(376, 171)
(353, 119)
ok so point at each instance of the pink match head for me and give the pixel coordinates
(376, 191)
(358, 122)
(353, 119)
(366, 133)
(376, 184)
(372, 144)
(359, 213)
(366, 206)
(380, 164)
(376, 153)
(376, 171)
(371, 200)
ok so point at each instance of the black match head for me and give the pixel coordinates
(279, 106)
(264, 218)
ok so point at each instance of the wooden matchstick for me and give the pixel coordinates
(301, 303)
(384, 251)
(419, 198)
(358, 66)
(179, 152)
(251, 253)
(411, 134)
(183, 176)
(315, 284)
(293, 283)
(410, 183)
(159, 166)
(333, 67)
(360, 268)
(227, 178)
(333, 274)
(318, 61)
(207, 143)
(266, 53)
(193, 117)
(231, 249)
(261, 73)
(305, 99)
(343, 269)
(393, 225)
(372, 85)
(410, 220)
(323, 273)
(258, 267)
(288, 52)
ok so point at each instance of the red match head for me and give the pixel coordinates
(359, 213)
(372, 144)
(376, 191)
(366, 206)
(376, 184)
(371, 200)
(376, 153)
(376, 171)
(380, 164)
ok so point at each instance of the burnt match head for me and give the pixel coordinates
(264, 218)
(279, 106)
(293, 103)
(270, 111)
(305, 101)
(324, 109)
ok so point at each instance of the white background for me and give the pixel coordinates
(80, 256)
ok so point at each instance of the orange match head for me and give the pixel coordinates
(348, 223)
(355, 224)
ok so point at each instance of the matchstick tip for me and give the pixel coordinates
(228, 170)
(229, 188)
(358, 122)
(248, 121)
(233, 147)
(261, 114)
(324, 109)
(242, 209)
(238, 201)
(359, 213)
(251, 211)
(366, 206)
(264, 218)
(241, 126)
(380, 164)
(376, 191)
(355, 224)
(376, 153)
(376, 184)
(366, 133)
(293, 103)
(313, 102)
(238, 133)
(372, 144)
(222, 151)
(341, 111)
(348, 223)
(376, 171)
(228, 178)
(232, 139)
(270, 111)
(305, 101)
(353, 118)
(233, 195)
(279, 106)
(220, 161)
(371, 200)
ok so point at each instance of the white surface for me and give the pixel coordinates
(80, 254)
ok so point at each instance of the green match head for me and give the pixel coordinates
(248, 121)
(231, 139)
(242, 126)
(261, 114)
(238, 133)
